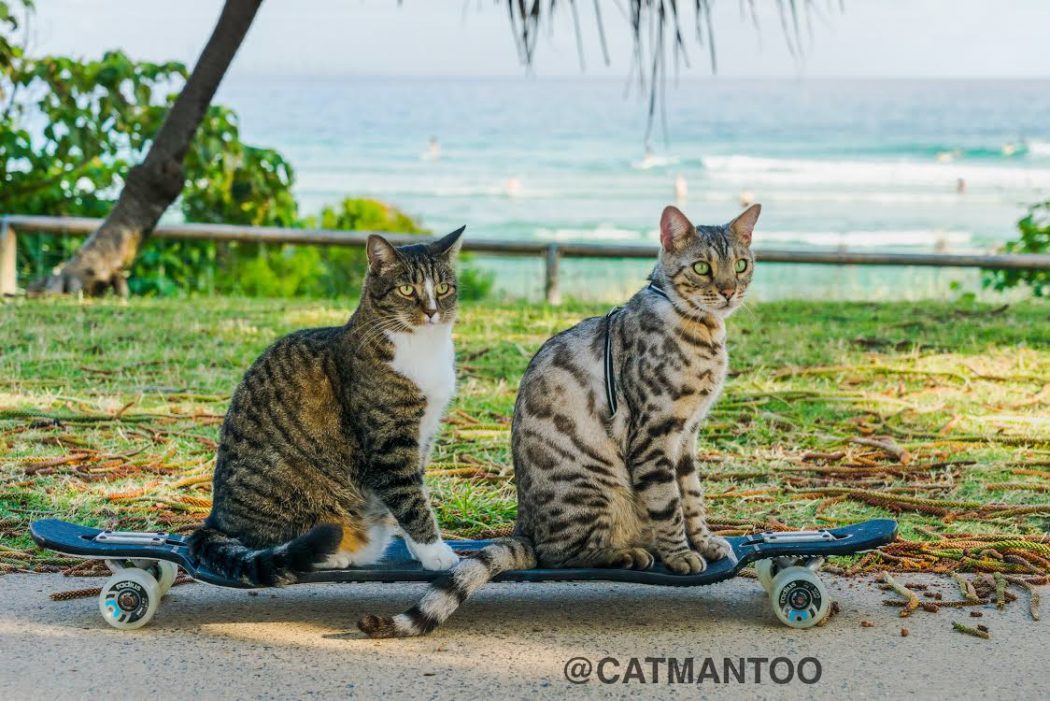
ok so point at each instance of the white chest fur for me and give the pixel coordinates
(426, 357)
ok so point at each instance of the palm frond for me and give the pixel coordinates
(656, 26)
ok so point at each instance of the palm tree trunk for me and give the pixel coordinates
(154, 184)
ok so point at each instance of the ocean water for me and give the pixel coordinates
(861, 165)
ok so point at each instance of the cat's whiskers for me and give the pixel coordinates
(376, 329)
(366, 332)
(696, 315)
(746, 307)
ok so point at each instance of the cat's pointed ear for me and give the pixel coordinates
(448, 245)
(675, 229)
(744, 224)
(381, 255)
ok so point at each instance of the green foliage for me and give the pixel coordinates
(227, 182)
(365, 214)
(343, 269)
(9, 48)
(71, 129)
(287, 271)
(69, 132)
(1035, 238)
(474, 283)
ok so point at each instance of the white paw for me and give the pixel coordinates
(435, 556)
(338, 561)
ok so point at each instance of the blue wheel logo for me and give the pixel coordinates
(799, 600)
(127, 602)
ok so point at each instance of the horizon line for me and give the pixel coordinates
(255, 73)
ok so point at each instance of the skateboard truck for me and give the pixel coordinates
(130, 538)
(795, 537)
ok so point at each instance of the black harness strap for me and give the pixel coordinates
(658, 290)
(610, 377)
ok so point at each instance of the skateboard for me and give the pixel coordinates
(145, 566)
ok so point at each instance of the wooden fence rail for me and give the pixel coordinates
(550, 252)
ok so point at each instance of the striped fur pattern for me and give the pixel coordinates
(322, 451)
(603, 490)
(449, 591)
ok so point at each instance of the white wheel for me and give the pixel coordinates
(799, 598)
(766, 570)
(129, 599)
(165, 573)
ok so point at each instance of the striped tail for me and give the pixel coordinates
(267, 567)
(447, 593)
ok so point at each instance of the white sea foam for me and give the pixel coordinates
(904, 238)
(752, 172)
(1039, 149)
(865, 196)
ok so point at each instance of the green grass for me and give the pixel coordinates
(134, 393)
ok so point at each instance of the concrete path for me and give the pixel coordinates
(512, 641)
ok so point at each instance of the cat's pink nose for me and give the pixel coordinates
(728, 292)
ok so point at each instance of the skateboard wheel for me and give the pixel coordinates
(799, 598)
(129, 599)
(766, 570)
(165, 573)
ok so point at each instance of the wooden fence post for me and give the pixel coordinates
(551, 275)
(8, 257)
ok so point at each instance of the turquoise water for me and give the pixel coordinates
(863, 165)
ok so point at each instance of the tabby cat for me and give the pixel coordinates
(322, 451)
(605, 428)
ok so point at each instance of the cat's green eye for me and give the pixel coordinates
(702, 268)
(741, 264)
(443, 289)
(406, 290)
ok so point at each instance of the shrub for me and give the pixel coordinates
(1035, 238)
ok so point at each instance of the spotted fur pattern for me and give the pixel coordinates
(598, 490)
(322, 451)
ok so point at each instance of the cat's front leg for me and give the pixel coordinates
(653, 476)
(398, 482)
(694, 508)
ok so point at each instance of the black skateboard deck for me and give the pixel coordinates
(398, 566)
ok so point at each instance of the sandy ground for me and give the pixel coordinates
(512, 641)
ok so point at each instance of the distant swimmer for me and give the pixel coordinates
(747, 198)
(512, 187)
(681, 188)
(1009, 149)
(960, 186)
(433, 151)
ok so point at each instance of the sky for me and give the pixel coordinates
(472, 38)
